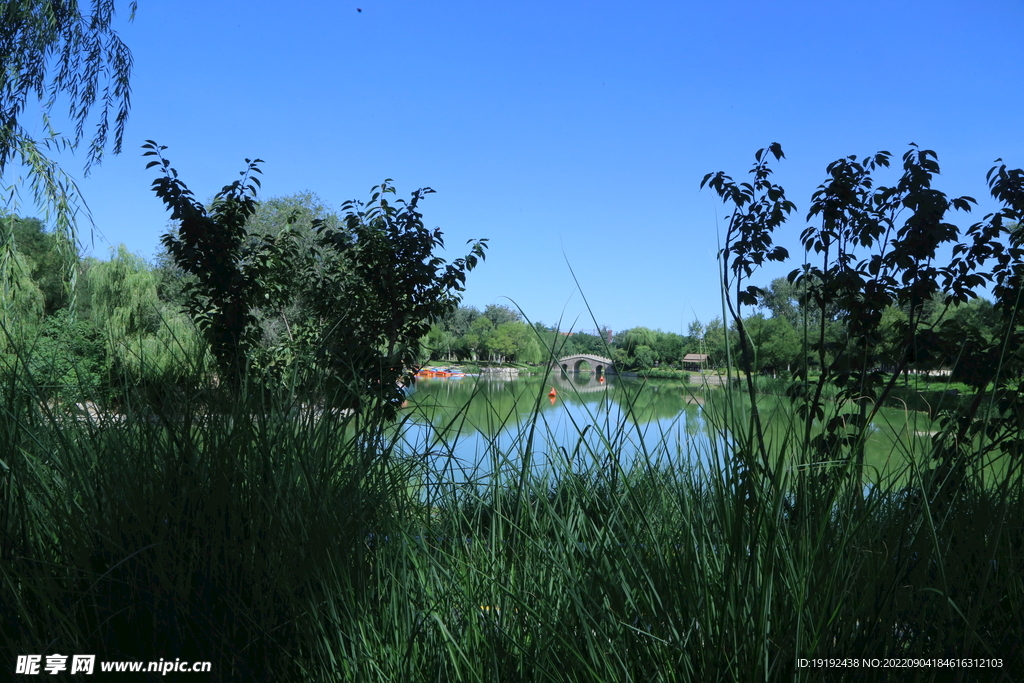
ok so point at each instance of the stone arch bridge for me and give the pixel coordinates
(598, 364)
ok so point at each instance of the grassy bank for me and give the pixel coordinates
(662, 373)
(927, 396)
(284, 545)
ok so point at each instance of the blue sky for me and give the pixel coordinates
(568, 133)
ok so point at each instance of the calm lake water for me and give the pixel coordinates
(473, 425)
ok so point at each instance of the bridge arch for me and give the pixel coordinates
(598, 364)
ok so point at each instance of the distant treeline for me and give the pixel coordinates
(500, 334)
(127, 318)
(777, 333)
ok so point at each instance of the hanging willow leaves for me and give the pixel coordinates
(54, 51)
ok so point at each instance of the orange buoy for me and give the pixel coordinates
(601, 379)
(552, 393)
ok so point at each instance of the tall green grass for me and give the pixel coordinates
(286, 544)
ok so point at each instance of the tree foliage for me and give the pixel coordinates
(44, 253)
(123, 296)
(68, 359)
(583, 342)
(54, 52)
(499, 314)
(209, 244)
(878, 299)
(23, 300)
(514, 341)
(458, 320)
(356, 295)
(379, 289)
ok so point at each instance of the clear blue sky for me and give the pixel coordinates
(569, 133)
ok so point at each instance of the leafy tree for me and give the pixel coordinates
(710, 340)
(50, 52)
(23, 300)
(151, 346)
(661, 346)
(459, 320)
(528, 347)
(476, 340)
(784, 349)
(588, 343)
(123, 296)
(760, 207)
(637, 336)
(230, 273)
(291, 222)
(379, 291)
(45, 253)
(874, 267)
(902, 271)
(438, 344)
(775, 344)
(172, 282)
(622, 359)
(499, 314)
(69, 358)
(782, 299)
(644, 357)
(368, 292)
(553, 342)
(300, 213)
(501, 344)
(668, 346)
(90, 60)
(514, 341)
(978, 314)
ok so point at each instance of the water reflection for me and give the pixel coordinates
(475, 425)
(582, 383)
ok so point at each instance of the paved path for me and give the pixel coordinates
(710, 378)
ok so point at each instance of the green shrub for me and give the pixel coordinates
(67, 361)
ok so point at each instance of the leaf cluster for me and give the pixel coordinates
(382, 287)
(354, 296)
(209, 244)
(877, 296)
(52, 51)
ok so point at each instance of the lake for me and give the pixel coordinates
(473, 425)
